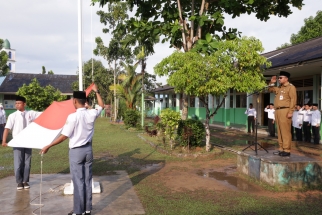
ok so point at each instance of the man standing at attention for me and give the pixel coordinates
(315, 122)
(284, 102)
(16, 122)
(306, 122)
(2, 121)
(271, 119)
(251, 117)
(79, 128)
(297, 122)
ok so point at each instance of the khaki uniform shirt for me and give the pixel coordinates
(285, 96)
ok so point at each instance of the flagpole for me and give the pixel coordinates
(80, 66)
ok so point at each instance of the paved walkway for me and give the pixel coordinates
(117, 197)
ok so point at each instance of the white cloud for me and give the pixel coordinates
(44, 33)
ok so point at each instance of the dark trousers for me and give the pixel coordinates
(307, 132)
(251, 122)
(22, 164)
(298, 132)
(316, 133)
(271, 127)
(80, 160)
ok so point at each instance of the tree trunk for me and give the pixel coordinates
(184, 114)
(115, 112)
(208, 145)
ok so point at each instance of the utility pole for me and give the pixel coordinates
(143, 65)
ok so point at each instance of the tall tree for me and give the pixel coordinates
(38, 97)
(4, 69)
(312, 28)
(188, 24)
(43, 70)
(237, 64)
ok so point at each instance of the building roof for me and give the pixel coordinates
(6, 44)
(163, 88)
(296, 54)
(13, 81)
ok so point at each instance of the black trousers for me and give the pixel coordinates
(307, 132)
(316, 133)
(251, 121)
(271, 127)
(298, 132)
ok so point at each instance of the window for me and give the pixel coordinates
(9, 97)
(174, 100)
(9, 66)
(241, 100)
(9, 55)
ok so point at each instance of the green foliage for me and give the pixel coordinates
(38, 97)
(184, 22)
(312, 28)
(198, 132)
(4, 69)
(170, 119)
(131, 118)
(43, 68)
(237, 64)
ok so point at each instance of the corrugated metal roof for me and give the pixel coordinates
(13, 81)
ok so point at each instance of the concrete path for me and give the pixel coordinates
(118, 196)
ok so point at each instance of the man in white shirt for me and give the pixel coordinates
(2, 121)
(251, 117)
(297, 122)
(315, 122)
(16, 122)
(271, 119)
(306, 122)
(79, 128)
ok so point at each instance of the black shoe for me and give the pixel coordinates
(20, 186)
(26, 185)
(72, 213)
(285, 154)
(277, 153)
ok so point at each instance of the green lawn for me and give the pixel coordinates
(118, 149)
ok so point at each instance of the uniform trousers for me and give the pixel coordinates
(80, 161)
(22, 164)
(251, 122)
(298, 132)
(271, 127)
(316, 133)
(307, 132)
(1, 131)
(283, 129)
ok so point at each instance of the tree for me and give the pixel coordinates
(43, 70)
(130, 87)
(236, 65)
(94, 71)
(188, 24)
(4, 69)
(50, 72)
(38, 97)
(312, 28)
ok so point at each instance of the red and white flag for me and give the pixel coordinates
(47, 127)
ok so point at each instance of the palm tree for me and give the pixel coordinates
(130, 87)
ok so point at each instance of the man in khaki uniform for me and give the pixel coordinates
(284, 102)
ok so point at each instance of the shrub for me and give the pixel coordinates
(131, 118)
(198, 132)
(169, 119)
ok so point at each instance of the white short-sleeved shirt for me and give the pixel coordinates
(271, 113)
(251, 112)
(2, 117)
(297, 119)
(316, 117)
(306, 116)
(79, 126)
(15, 120)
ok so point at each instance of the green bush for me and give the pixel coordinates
(169, 119)
(131, 118)
(198, 132)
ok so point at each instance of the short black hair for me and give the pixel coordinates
(81, 101)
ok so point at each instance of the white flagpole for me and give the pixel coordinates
(80, 62)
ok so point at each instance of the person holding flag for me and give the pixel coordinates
(79, 128)
(16, 122)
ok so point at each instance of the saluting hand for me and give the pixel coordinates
(273, 79)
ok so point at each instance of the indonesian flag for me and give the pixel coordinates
(47, 127)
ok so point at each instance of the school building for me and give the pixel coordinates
(304, 63)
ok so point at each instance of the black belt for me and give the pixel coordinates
(82, 145)
(278, 108)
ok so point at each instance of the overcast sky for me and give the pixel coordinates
(44, 33)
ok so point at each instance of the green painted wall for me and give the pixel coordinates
(199, 112)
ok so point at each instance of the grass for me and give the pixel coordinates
(117, 149)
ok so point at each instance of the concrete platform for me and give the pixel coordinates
(117, 197)
(294, 171)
